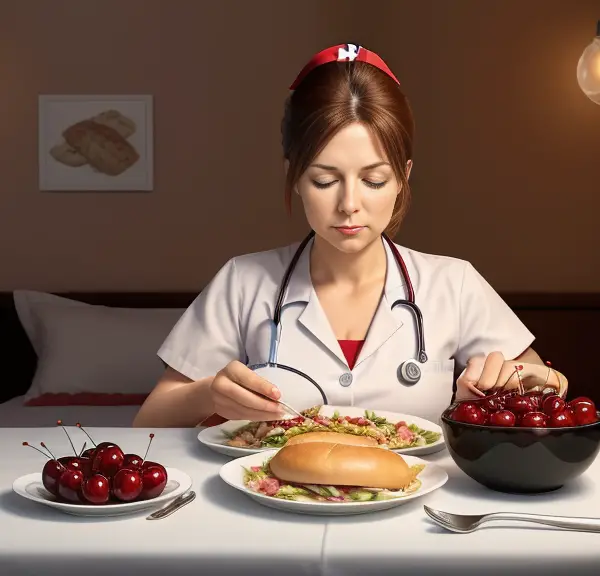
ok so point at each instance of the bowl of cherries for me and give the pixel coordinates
(522, 442)
(103, 480)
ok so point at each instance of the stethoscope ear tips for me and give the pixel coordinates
(409, 372)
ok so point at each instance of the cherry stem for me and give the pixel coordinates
(547, 378)
(83, 430)
(40, 451)
(147, 449)
(59, 423)
(521, 389)
(82, 449)
(46, 447)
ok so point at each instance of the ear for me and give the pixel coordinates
(409, 166)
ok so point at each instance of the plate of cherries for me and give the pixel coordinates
(532, 409)
(101, 481)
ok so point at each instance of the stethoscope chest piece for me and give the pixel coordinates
(409, 372)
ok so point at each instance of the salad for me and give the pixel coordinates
(276, 433)
(260, 479)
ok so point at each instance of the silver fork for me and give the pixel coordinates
(281, 403)
(464, 524)
(173, 506)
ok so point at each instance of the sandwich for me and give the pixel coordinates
(333, 438)
(334, 472)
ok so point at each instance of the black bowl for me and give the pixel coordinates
(521, 460)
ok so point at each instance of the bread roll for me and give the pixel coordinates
(113, 119)
(102, 146)
(332, 464)
(332, 438)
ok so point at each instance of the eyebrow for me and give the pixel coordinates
(333, 168)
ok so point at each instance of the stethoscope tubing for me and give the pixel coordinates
(409, 303)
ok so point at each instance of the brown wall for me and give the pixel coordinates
(507, 168)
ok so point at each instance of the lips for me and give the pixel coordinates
(349, 230)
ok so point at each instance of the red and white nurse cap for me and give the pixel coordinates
(344, 53)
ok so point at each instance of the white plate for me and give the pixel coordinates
(215, 439)
(432, 477)
(30, 486)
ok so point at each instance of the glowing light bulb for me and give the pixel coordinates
(588, 69)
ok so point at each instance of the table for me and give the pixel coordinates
(406, 541)
(223, 532)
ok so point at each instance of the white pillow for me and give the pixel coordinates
(84, 348)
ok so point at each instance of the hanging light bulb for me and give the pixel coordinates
(588, 69)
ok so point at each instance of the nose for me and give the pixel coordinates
(349, 198)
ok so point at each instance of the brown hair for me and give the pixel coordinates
(335, 95)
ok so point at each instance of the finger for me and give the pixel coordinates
(491, 370)
(246, 398)
(472, 388)
(240, 373)
(230, 409)
(473, 369)
(470, 375)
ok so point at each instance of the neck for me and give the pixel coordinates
(328, 265)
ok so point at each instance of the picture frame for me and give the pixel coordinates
(95, 142)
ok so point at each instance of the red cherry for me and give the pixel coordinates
(535, 397)
(491, 402)
(52, 470)
(104, 445)
(51, 473)
(83, 464)
(584, 414)
(69, 485)
(534, 420)
(127, 484)
(96, 489)
(108, 460)
(154, 478)
(463, 411)
(552, 404)
(132, 461)
(582, 400)
(561, 419)
(518, 404)
(503, 418)
(89, 453)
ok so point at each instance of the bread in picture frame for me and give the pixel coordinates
(69, 156)
(104, 148)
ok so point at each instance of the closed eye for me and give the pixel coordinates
(369, 183)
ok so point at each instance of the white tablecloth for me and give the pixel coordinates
(223, 532)
(406, 541)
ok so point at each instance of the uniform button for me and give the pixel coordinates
(346, 379)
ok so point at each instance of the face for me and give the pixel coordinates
(349, 190)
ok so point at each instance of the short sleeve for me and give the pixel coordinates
(487, 323)
(207, 336)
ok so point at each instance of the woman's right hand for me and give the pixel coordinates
(231, 400)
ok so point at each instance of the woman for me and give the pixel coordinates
(348, 147)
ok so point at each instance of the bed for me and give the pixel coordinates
(91, 357)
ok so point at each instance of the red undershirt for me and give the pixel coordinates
(351, 350)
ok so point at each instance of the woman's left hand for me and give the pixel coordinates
(492, 372)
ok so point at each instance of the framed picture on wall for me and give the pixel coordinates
(94, 143)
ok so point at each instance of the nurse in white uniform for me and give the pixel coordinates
(371, 323)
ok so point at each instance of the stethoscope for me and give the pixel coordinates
(409, 371)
